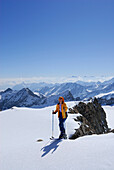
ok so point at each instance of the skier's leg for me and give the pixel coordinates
(64, 134)
(62, 128)
(60, 124)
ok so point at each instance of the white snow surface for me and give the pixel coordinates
(36, 93)
(20, 128)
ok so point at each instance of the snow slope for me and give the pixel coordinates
(104, 94)
(20, 128)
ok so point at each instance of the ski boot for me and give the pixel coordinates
(63, 136)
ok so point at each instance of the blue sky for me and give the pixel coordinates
(56, 38)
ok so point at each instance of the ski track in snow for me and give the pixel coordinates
(20, 128)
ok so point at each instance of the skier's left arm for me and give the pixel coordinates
(66, 108)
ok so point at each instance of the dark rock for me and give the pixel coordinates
(8, 90)
(92, 119)
(78, 99)
(112, 131)
(106, 101)
(73, 110)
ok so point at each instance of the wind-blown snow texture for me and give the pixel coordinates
(20, 128)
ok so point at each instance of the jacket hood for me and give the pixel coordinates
(62, 98)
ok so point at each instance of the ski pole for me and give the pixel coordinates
(52, 125)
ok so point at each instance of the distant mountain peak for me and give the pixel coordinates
(8, 90)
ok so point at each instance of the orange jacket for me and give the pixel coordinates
(63, 108)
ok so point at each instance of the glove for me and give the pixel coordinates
(53, 112)
(66, 114)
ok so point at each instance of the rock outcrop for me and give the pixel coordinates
(92, 119)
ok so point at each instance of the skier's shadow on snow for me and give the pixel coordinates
(52, 146)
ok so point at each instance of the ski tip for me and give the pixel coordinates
(39, 140)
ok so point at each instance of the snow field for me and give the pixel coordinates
(20, 128)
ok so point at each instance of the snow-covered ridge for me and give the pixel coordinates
(104, 94)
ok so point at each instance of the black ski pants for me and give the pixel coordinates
(62, 123)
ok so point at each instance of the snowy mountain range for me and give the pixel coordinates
(44, 94)
(25, 97)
